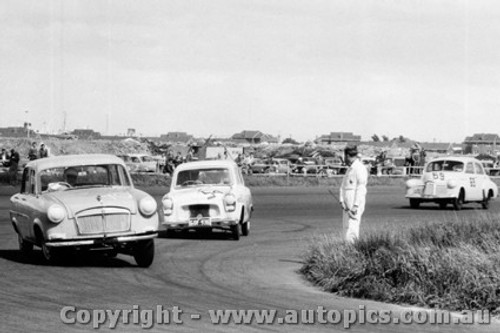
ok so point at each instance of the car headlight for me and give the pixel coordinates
(412, 183)
(168, 205)
(230, 202)
(452, 184)
(147, 206)
(56, 213)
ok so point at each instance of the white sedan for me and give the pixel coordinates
(455, 180)
(206, 195)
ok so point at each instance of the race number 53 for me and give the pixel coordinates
(472, 182)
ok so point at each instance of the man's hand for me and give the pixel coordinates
(343, 206)
(353, 212)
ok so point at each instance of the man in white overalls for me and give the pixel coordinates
(353, 194)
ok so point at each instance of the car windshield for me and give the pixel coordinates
(211, 176)
(454, 166)
(83, 176)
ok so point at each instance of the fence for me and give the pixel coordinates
(322, 171)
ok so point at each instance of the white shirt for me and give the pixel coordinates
(355, 180)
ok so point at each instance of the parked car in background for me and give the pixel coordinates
(393, 166)
(452, 180)
(259, 165)
(305, 165)
(280, 165)
(83, 202)
(335, 165)
(207, 195)
(141, 162)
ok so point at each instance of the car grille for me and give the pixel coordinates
(430, 189)
(196, 210)
(103, 221)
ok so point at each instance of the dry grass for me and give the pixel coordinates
(451, 265)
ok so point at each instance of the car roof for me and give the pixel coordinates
(206, 164)
(73, 160)
(455, 158)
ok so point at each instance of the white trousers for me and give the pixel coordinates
(351, 225)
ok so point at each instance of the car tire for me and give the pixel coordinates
(486, 202)
(245, 228)
(144, 253)
(443, 204)
(24, 246)
(50, 255)
(458, 203)
(414, 203)
(235, 231)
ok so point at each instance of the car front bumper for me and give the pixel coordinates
(102, 241)
(216, 223)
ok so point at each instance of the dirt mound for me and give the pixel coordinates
(66, 147)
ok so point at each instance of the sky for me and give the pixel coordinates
(425, 69)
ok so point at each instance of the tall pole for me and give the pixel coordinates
(27, 124)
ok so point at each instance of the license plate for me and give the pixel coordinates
(200, 222)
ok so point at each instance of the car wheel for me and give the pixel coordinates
(458, 203)
(486, 202)
(442, 205)
(235, 231)
(144, 253)
(245, 228)
(414, 203)
(50, 255)
(24, 246)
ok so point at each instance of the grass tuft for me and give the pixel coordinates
(451, 265)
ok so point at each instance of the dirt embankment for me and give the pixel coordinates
(65, 147)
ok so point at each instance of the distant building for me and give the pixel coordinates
(438, 147)
(179, 137)
(86, 134)
(253, 137)
(481, 143)
(131, 132)
(16, 132)
(338, 137)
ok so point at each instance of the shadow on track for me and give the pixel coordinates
(198, 234)
(436, 208)
(74, 259)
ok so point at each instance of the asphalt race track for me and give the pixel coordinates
(202, 272)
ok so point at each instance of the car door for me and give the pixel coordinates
(243, 193)
(480, 180)
(21, 203)
(471, 189)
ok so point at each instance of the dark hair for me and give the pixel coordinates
(351, 151)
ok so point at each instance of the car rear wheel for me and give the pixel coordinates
(486, 202)
(458, 203)
(414, 203)
(245, 228)
(24, 246)
(144, 253)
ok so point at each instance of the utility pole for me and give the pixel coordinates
(27, 124)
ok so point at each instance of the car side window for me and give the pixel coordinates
(32, 189)
(240, 177)
(469, 168)
(25, 181)
(479, 169)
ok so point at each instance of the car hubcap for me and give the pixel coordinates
(46, 252)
